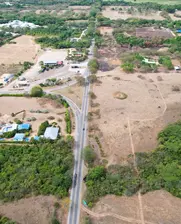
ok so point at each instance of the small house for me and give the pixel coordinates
(24, 126)
(8, 128)
(51, 133)
(19, 137)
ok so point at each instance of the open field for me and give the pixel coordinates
(22, 103)
(74, 92)
(31, 210)
(123, 14)
(158, 207)
(10, 68)
(24, 50)
(150, 105)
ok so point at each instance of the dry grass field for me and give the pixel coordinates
(31, 210)
(158, 207)
(123, 14)
(150, 105)
(15, 104)
(25, 49)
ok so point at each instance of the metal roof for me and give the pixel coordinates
(24, 126)
(19, 137)
(51, 133)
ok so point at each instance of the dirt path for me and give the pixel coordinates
(120, 217)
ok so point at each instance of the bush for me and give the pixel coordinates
(176, 88)
(68, 122)
(128, 67)
(17, 121)
(36, 91)
(92, 95)
(93, 66)
(92, 78)
(43, 127)
(89, 155)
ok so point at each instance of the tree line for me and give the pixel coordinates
(159, 169)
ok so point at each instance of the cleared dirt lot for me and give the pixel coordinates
(74, 92)
(31, 210)
(158, 207)
(150, 106)
(16, 104)
(25, 48)
(123, 14)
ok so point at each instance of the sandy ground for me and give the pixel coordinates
(159, 207)
(117, 14)
(74, 92)
(150, 106)
(25, 48)
(34, 210)
(15, 104)
(105, 30)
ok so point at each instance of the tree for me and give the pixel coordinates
(80, 81)
(43, 127)
(89, 155)
(93, 65)
(36, 91)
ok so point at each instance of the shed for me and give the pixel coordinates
(24, 126)
(19, 137)
(179, 31)
(51, 133)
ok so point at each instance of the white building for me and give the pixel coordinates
(51, 133)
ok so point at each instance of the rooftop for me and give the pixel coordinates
(51, 133)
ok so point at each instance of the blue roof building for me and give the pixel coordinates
(19, 137)
(51, 133)
(24, 126)
(36, 138)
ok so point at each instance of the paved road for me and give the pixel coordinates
(80, 138)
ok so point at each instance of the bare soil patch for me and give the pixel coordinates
(158, 207)
(151, 32)
(74, 92)
(31, 210)
(10, 68)
(123, 14)
(105, 30)
(25, 48)
(16, 104)
(145, 106)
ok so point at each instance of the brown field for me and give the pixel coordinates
(151, 32)
(31, 210)
(15, 104)
(149, 107)
(12, 68)
(105, 30)
(74, 92)
(25, 49)
(158, 207)
(117, 14)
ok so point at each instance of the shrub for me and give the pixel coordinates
(128, 67)
(43, 127)
(89, 155)
(93, 66)
(175, 88)
(92, 78)
(36, 91)
(17, 121)
(92, 95)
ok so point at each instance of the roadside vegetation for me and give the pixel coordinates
(5, 220)
(159, 169)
